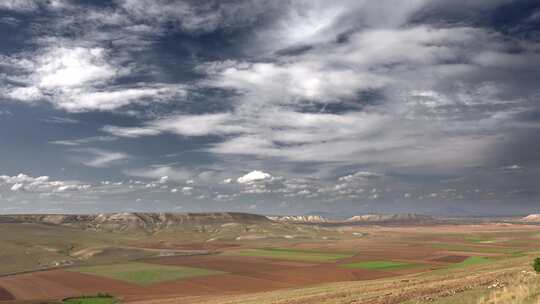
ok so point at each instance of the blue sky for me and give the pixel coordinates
(275, 107)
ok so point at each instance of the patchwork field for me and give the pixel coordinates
(294, 254)
(145, 274)
(379, 265)
(5, 295)
(351, 265)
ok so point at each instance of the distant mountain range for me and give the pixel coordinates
(135, 221)
(400, 218)
(299, 218)
(153, 222)
(395, 218)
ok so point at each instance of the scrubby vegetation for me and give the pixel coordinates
(536, 265)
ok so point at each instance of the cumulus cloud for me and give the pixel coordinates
(43, 184)
(17, 187)
(254, 176)
(360, 175)
(161, 171)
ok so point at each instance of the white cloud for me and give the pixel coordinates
(66, 188)
(73, 67)
(82, 141)
(360, 175)
(17, 187)
(159, 171)
(320, 21)
(512, 168)
(187, 190)
(78, 101)
(103, 158)
(291, 82)
(26, 93)
(198, 17)
(254, 176)
(131, 131)
(187, 125)
(19, 5)
(77, 78)
(40, 184)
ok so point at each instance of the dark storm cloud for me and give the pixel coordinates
(346, 106)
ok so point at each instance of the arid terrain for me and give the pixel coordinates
(243, 258)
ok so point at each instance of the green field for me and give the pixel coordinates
(145, 274)
(91, 300)
(474, 248)
(470, 261)
(379, 265)
(295, 254)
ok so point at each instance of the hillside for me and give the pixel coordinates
(135, 221)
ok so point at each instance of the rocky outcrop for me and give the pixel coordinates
(299, 219)
(402, 218)
(531, 218)
(136, 221)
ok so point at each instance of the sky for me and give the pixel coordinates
(273, 107)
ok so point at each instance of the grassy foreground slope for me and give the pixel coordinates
(475, 284)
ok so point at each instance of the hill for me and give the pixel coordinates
(135, 221)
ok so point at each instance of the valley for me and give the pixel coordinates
(244, 258)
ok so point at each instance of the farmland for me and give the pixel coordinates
(379, 265)
(144, 274)
(292, 254)
(224, 263)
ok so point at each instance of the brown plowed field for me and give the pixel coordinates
(244, 275)
(267, 274)
(451, 259)
(234, 264)
(5, 295)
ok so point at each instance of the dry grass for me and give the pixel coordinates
(525, 289)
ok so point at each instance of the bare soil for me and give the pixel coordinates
(451, 259)
(5, 295)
